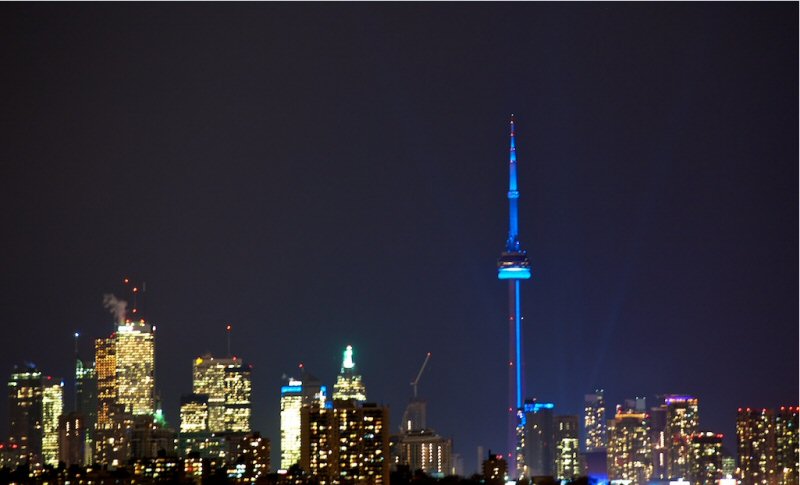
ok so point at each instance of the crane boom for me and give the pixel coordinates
(419, 374)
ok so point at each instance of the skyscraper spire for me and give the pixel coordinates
(514, 266)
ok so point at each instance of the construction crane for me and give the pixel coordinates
(419, 374)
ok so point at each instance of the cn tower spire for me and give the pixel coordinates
(513, 194)
(514, 266)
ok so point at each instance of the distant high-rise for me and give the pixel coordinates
(349, 384)
(786, 449)
(25, 390)
(86, 404)
(125, 370)
(682, 423)
(135, 349)
(539, 436)
(238, 391)
(52, 408)
(227, 383)
(658, 440)
(706, 462)
(567, 448)
(594, 421)
(514, 266)
(307, 392)
(348, 443)
(252, 459)
(629, 452)
(72, 438)
(766, 441)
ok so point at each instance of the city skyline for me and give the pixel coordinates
(348, 188)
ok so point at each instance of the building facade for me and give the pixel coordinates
(567, 448)
(539, 437)
(25, 389)
(706, 459)
(682, 423)
(306, 392)
(347, 443)
(594, 421)
(629, 451)
(52, 409)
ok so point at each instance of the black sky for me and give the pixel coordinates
(325, 174)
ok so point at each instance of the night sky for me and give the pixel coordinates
(328, 174)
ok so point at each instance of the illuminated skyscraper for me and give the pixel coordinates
(682, 423)
(252, 459)
(539, 436)
(786, 450)
(706, 459)
(135, 349)
(238, 389)
(227, 382)
(348, 383)
(629, 452)
(25, 412)
(755, 442)
(307, 392)
(594, 421)
(52, 408)
(346, 444)
(514, 266)
(125, 369)
(567, 448)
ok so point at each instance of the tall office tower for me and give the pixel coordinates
(629, 453)
(194, 414)
(682, 422)
(755, 443)
(72, 438)
(135, 349)
(786, 450)
(238, 389)
(25, 412)
(227, 382)
(112, 431)
(427, 451)
(348, 383)
(514, 266)
(706, 459)
(86, 404)
(594, 421)
(658, 440)
(346, 444)
(52, 408)
(539, 436)
(298, 394)
(567, 448)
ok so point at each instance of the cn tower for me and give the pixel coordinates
(514, 266)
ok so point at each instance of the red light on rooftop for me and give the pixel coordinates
(748, 410)
(740, 410)
(134, 310)
(228, 327)
(125, 281)
(135, 290)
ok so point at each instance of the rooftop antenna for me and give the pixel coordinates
(419, 374)
(228, 335)
(75, 393)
